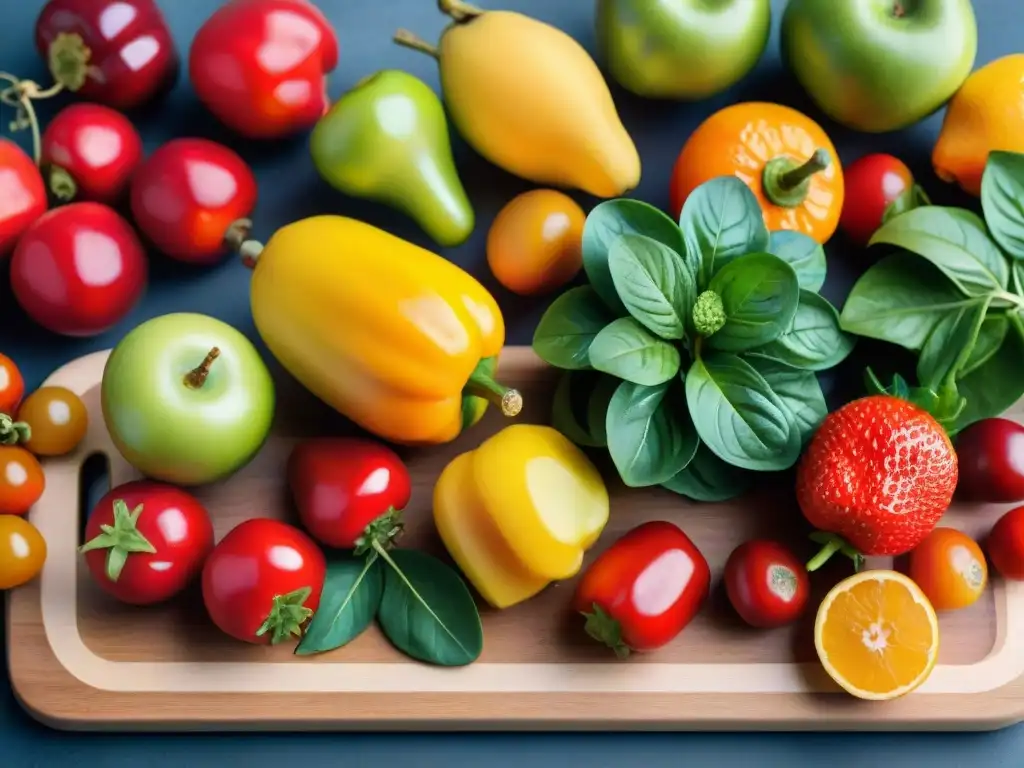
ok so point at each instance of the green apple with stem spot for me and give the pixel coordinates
(187, 399)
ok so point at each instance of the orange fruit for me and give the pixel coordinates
(950, 569)
(58, 420)
(877, 635)
(987, 113)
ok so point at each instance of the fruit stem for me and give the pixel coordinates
(120, 539)
(605, 629)
(62, 184)
(13, 432)
(407, 39)
(898, 11)
(237, 239)
(288, 613)
(830, 545)
(786, 183)
(381, 531)
(482, 385)
(459, 11)
(195, 378)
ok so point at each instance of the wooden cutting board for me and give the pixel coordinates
(80, 660)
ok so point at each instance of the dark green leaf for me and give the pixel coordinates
(946, 405)
(1002, 200)
(814, 342)
(650, 438)
(708, 478)
(995, 386)
(427, 611)
(653, 283)
(990, 339)
(1018, 278)
(799, 390)
(351, 595)
(803, 253)
(627, 350)
(760, 293)
(605, 224)
(597, 408)
(738, 415)
(721, 220)
(950, 343)
(564, 333)
(572, 387)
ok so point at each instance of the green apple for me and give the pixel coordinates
(879, 65)
(187, 399)
(681, 49)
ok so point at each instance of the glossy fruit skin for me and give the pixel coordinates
(766, 584)
(133, 57)
(686, 50)
(93, 255)
(342, 485)
(657, 561)
(24, 198)
(873, 182)
(991, 457)
(873, 71)
(22, 551)
(21, 480)
(741, 140)
(58, 420)
(259, 66)
(97, 146)
(186, 196)
(246, 571)
(879, 472)
(12, 385)
(950, 569)
(173, 521)
(1005, 545)
(535, 244)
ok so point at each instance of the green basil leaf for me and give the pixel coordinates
(949, 344)
(566, 330)
(899, 300)
(997, 385)
(990, 339)
(800, 391)
(427, 612)
(597, 408)
(1018, 278)
(708, 478)
(351, 595)
(721, 220)
(654, 284)
(627, 350)
(913, 197)
(814, 341)
(650, 439)
(1002, 200)
(606, 223)
(574, 386)
(760, 293)
(738, 415)
(954, 240)
(803, 253)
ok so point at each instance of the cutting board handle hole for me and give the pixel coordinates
(93, 482)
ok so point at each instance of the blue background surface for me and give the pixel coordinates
(291, 189)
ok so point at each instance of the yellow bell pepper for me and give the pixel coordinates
(396, 338)
(519, 511)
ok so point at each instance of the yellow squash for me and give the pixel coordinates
(396, 338)
(519, 512)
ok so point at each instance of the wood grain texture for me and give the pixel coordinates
(81, 660)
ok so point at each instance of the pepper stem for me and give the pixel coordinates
(459, 11)
(605, 629)
(237, 239)
(831, 543)
(13, 432)
(407, 39)
(482, 385)
(195, 378)
(786, 183)
(120, 539)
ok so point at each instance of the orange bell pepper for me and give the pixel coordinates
(786, 159)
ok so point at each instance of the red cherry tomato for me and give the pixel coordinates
(24, 194)
(92, 152)
(79, 269)
(342, 486)
(990, 454)
(21, 480)
(132, 58)
(189, 196)
(1006, 545)
(766, 584)
(262, 582)
(158, 539)
(873, 183)
(12, 386)
(644, 589)
(260, 66)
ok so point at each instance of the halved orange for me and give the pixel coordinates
(877, 635)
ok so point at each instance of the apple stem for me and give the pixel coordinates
(785, 183)
(195, 378)
(407, 39)
(898, 11)
(459, 11)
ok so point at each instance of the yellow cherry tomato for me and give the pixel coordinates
(57, 419)
(22, 551)
(950, 569)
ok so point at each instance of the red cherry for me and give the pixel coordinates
(22, 194)
(97, 147)
(991, 457)
(192, 198)
(78, 269)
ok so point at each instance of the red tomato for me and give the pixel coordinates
(262, 582)
(79, 269)
(21, 480)
(644, 589)
(260, 66)
(12, 386)
(990, 454)
(188, 196)
(92, 152)
(156, 540)
(873, 183)
(1006, 545)
(342, 486)
(766, 584)
(24, 194)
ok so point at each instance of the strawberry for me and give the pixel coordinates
(876, 478)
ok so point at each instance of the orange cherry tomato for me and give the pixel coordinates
(950, 568)
(535, 243)
(12, 385)
(57, 421)
(22, 551)
(21, 480)
(786, 159)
